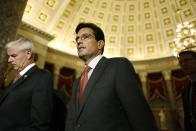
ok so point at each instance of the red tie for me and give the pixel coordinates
(83, 81)
(16, 78)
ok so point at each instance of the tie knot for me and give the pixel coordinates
(87, 69)
(17, 77)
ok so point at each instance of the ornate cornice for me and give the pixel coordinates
(156, 65)
(34, 30)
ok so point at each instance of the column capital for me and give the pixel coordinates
(57, 69)
(167, 74)
(143, 76)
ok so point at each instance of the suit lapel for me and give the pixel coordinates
(75, 95)
(17, 83)
(98, 71)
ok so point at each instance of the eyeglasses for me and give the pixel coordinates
(84, 37)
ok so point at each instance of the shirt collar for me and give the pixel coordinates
(26, 69)
(94, 62)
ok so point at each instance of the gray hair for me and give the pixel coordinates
(23, 44)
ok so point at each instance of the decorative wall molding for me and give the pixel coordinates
(31, 29)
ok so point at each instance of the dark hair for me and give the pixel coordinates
(98, 32)
(190, 52)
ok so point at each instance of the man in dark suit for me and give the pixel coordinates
(187, 61)
(27, 104)
(112, 99)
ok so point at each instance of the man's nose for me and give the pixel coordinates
(78, 42)
(9, 59)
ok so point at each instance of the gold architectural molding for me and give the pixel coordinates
(156, 65)
(31, 29)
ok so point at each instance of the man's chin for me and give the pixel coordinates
(81, 55)
(16, 68)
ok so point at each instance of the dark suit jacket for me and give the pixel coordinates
(112, 101)
(59, 111)
(186, 105)
(27, 104)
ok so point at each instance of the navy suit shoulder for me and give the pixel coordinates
(119, 59)
(123, 63)
(41, 72)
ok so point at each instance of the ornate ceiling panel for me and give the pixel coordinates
(136, 29)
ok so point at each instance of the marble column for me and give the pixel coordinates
(167, 76)
(56, 75)
(11, 14)
(143, 79)
(171, 119)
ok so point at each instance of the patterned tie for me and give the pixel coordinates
(16, 78)
(83, 81)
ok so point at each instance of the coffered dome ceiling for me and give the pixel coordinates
(136, 29)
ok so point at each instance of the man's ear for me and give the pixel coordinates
(101, 44)
(29, 53)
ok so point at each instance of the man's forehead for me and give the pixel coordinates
(85, 29)
(185, 55)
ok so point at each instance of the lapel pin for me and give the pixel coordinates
(25, 76)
